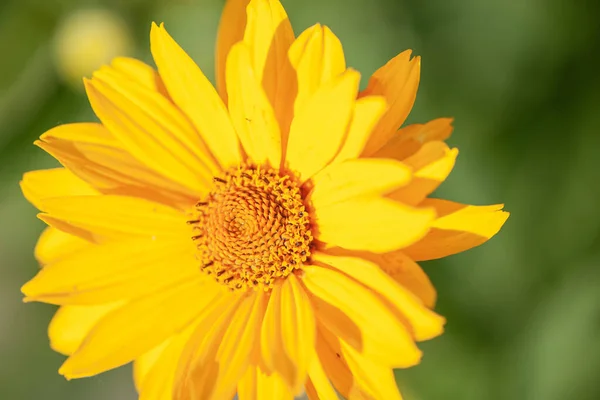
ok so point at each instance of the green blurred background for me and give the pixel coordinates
(521, 78)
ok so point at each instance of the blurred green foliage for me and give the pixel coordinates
(521, 79)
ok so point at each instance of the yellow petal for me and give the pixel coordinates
(257, 385)
(423, 323)
(318, 386)
(225, 353)
(459, 227)
(398, 82)
(408, 140)
(317, 57)
(94, 155)
(118, 216)
(318, 130)
(269, 35)
(372, 379)
(250, 110)
(372, 223)
(405, 271)
(193, 93)
(145, 138)
(431, 165)
(144, 363)
(298, 329)
(130, 331)
(48, 183)
(141, 73)
(113, 271)
(231, 31)
(158, 382)
(367, 112)
(54, 245)
(181, 136)
(360, 318)
(71, 324)
(365, 176)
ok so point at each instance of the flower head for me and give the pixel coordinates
(260, 239)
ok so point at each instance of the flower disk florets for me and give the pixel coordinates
(252, 229)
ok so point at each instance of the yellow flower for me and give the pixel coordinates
(258, 240)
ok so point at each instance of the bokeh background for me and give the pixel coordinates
(521, 78)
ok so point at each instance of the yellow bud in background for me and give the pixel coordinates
(87, 39)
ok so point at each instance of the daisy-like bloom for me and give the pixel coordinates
(258, 239)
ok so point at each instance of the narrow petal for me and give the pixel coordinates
(318, 386)
(231, 31)
(118, 216)
(54, 245)
(459, 227)
(422, 322)
(431, 165)
(144, 363)
(195, 96)
(317, 57)
(158, 382)
(372, 223)
(49, 183)
(349, 179)
(250, 110)
(71, 324)
(181, 137)
(258, 385)
(119, 270)
(367, 112)
(140, 73)
(269, 36)
(225, 354)
(360, 318)
(130, 331)
(398, 82)
(408, 140)
(145, 138)
(95, 156)
(318, 130)
(371, 378)
(298, 329)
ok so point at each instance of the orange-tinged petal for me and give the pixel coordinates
(269, 35)
(118, 216)
(231, 30)
(54, 245)
(71, 324)
(367, 112)
(365, 176)
(317, 57)
(119, 270)
(139, 72)
(258, 385)
(298, 329)
(130, 331)
(431, 165)
(250, 110)
(458, 227)
(360, 318)
(398, 82)
(374, 224)
(372, 379)
(94, 155)
(408, 140)
(225, 354)
(145, 138)
(49, 183)
(318, 130)
(158, 381)
(318, 386)
(423, 323)
(195, 96)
